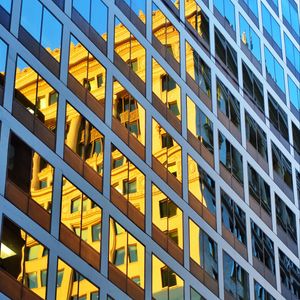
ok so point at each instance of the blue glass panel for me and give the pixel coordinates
(6, 4)
(83, 7)
(269, 62)
(219, 4)
(230, 13)
(99, 9)
(294, 93)
(279, 75)
(31, 17)
(289, 52)
(51, 31)
(266, 17)
(256, 45)
(3, 53)
(253, 7)
(276, 32)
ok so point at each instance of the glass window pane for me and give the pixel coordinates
(99, 23)
(6, 4)
(51, 33)
(31, 17)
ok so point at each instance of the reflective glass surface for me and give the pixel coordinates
(126, 254)
(166, 284)
(21, 257)
(249, 37)
(72, 285)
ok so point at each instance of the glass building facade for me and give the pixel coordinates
(149, 149)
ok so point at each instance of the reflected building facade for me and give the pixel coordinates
(149, 149)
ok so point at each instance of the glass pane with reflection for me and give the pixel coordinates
(24, 258)
(70, 284)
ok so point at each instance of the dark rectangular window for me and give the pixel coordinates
(231, 158)
(233, 218)
(296, 137)
(168, 83)
(226, 53)
(168, 277)
(289, 275)
(286, 218)
(278, 117)
(259, 189)
(129, 187)
(253, 87)
(282, 166)
(236, 279)
(256, 136)
(262, 247)
(228, 104)
(167, 208)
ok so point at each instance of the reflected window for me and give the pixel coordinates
(60, 275)
(73, 285)
(233, 218)
(289, 275)
(166, 150)
(286, 218)
(21, 258)
(129, 187)
(249, 38)
(253, 87)
(31, 279)
(119, 257)
(83, 216)
(132, 253)
(165, 89)
(127, 179)
(282, 166)
(33, 252)
(259, 189)
(203, 250)
(198, 69)
(228, 104)
(226, 53)
(231, 159)
(126, 253)
(96, 232)
(33, 166)
(274, 70)
(262, 247)
(236, 279)
(227, 9)
(84, 139)
(33, 97)
(278, 117)
(43, 278)
(42, 26)
(167, 217)
(197, 19)
(165, 282)
(130, 50)
(168, 277)
(138, 8)
(161, 29)
(83, 71)
(261, 293)
(201, 185)
(200, 125)
(256, 136)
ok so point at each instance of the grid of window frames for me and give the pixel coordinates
(126, 161)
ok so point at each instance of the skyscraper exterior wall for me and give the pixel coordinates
(149, 149)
